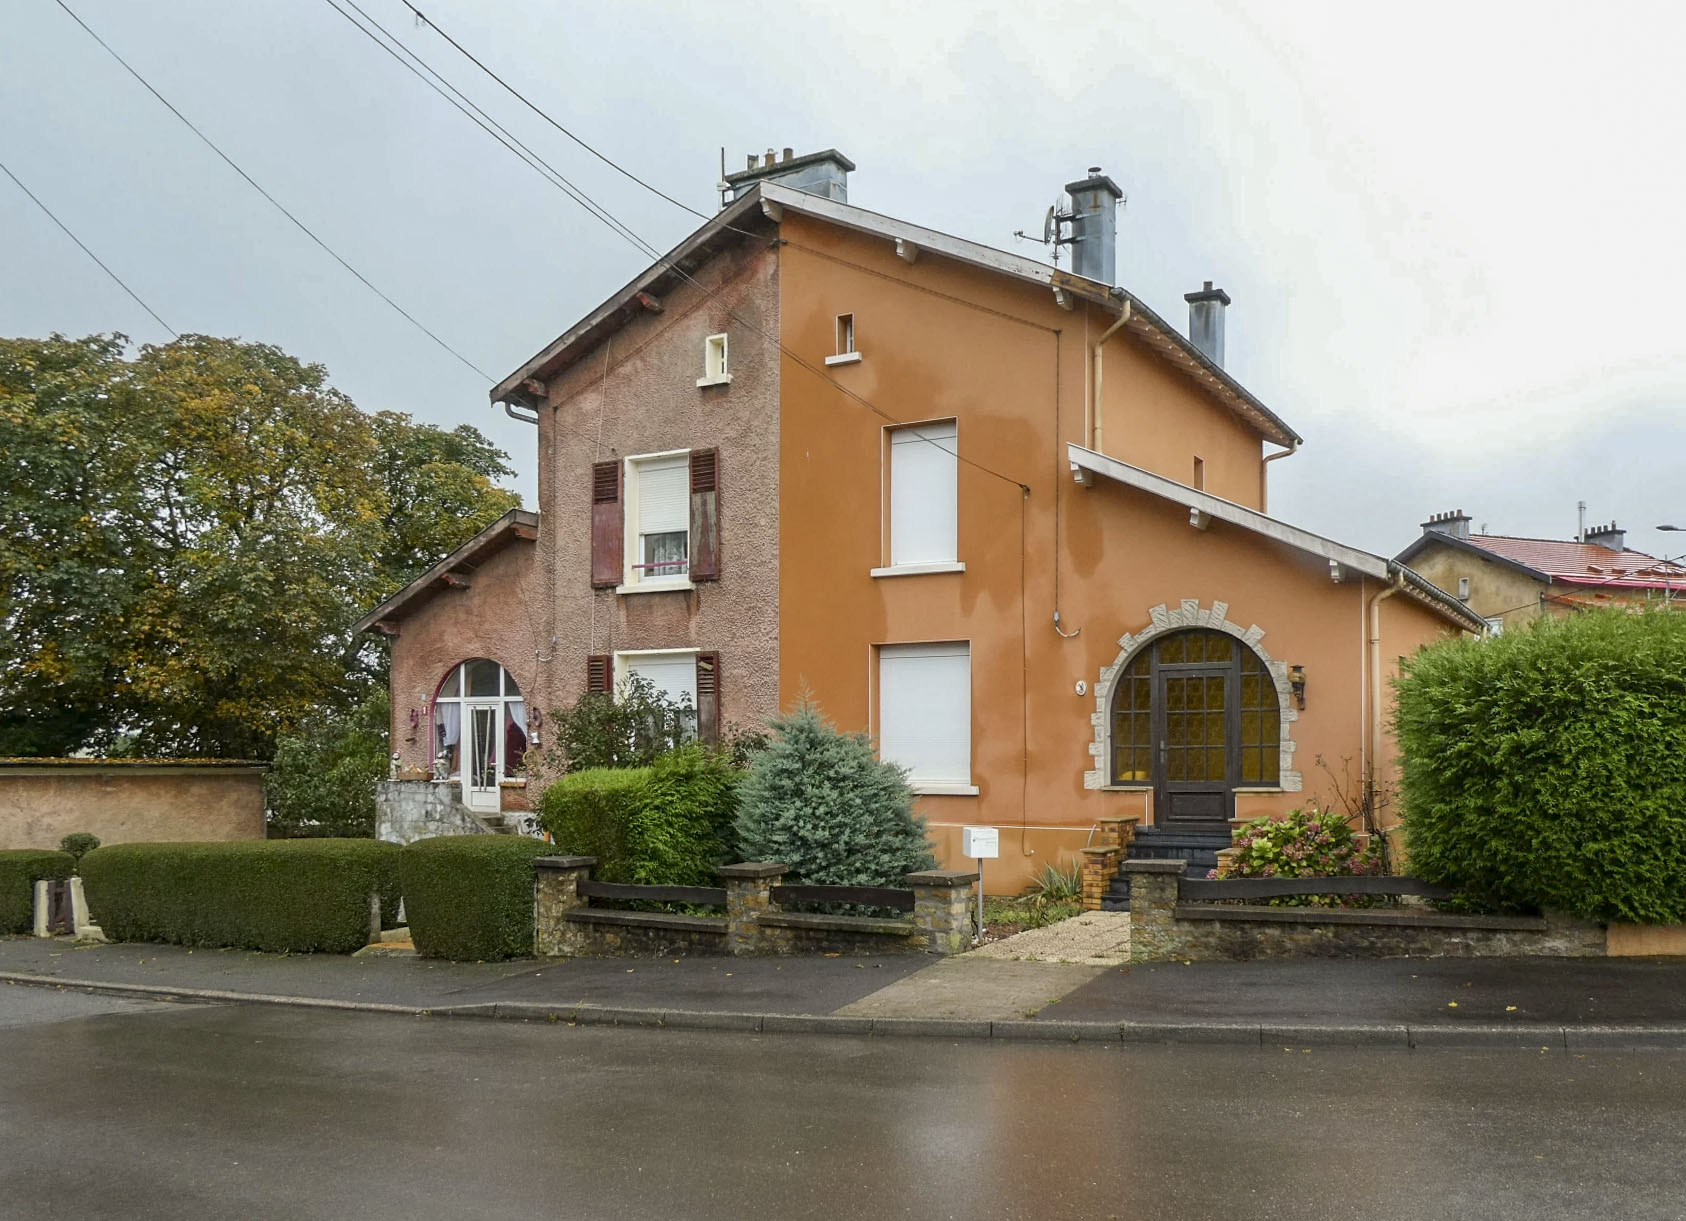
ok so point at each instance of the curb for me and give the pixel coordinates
(1516, 1036)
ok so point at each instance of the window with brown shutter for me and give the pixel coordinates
(607, 531)
(599, 674)
(705, 514)
(708, 696)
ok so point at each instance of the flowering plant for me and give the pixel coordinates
(1302, 844)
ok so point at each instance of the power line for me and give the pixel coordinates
(117, 279)
(538, 163)
(301, 226)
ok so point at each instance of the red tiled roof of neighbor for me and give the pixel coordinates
(1584, 563)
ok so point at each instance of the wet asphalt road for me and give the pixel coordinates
(120, 1108)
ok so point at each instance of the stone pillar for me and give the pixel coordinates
(749, 892)
(942, 909)
(1153, 908)
(43, 907)
(1099, 866)
(556, 892)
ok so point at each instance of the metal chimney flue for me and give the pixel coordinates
(1206, 321)
(1094, 226)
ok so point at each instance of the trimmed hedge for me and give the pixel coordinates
(20, 869)
(300, 895)
(669, 824)
(1546, 769)
(470, 897)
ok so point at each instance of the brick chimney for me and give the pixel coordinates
(1611, 536)
(1455, 524)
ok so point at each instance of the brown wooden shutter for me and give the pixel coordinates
(708, 696)
(705, 514)
(599, 674)
(608, 532)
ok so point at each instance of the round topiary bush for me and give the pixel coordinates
(1546, 769)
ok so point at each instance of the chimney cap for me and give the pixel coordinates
(1095, 181)
(1208, 293)
(755, 171)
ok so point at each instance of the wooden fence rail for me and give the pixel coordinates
(713, 896)
(1198, 890)
(866, 896)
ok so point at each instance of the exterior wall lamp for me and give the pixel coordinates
(1296, 682)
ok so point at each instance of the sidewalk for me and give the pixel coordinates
(1553, 1003)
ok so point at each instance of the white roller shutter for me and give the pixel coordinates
(923, 488)
(925, 711)
(664, 495)
(674, 674)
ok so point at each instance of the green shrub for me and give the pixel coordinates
(669, 824)
(470, 897)
(300, 895)
(588, 813)
(630, 728)
(1302, 844)
(20, 869)
(1547, 768)
(823, 803)
(79, 844)
(322, 782)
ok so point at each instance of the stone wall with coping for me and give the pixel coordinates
(1162, 929)
(42, 801)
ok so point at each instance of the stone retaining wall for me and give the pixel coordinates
(408, 810)
(1162, 928)
(566, 925)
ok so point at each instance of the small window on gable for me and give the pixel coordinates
(716, 372)
(1199, 472)
(1463, 588)
(846, 353)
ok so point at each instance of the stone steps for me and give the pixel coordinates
(1158, 844)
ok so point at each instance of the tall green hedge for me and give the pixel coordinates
(470, 897)
(1547, 768)
(298, 895)
(20, 869)
(667, 824)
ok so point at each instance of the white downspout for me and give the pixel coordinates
(1095, 428)
(1264, 473)
(1376, 676)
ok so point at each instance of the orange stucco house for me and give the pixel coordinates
(998, 514)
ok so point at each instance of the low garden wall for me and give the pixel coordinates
(755, 920)
(128, 801)
(1167, 922)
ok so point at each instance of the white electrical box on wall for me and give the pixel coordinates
(980, 843)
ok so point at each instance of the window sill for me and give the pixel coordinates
(1126, 788)
(723, 380)
(844, 358)
(919, 570)
(654, 587)
(934, 788)
(516, 782)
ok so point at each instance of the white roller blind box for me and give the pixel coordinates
(925, 711)
(923, 488)
(673, 674)
(664, 494)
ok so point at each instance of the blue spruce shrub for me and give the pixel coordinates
(822, 802)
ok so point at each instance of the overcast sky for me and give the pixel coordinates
(1452, 233)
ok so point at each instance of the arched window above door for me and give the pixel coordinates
(502, 737)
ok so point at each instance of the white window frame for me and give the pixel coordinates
(633, 579)
(847, 353)
(509, 692)
(623, 670)
(1496, 626)
(717, 369)
(1463, 589)
(908, 568)
(926, 785)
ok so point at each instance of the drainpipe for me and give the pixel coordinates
(510, 409)
(1264, 474)
(1099, 364)
(1376, 675)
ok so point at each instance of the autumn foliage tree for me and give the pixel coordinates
(187, 535)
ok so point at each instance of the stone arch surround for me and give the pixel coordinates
(1162, 622)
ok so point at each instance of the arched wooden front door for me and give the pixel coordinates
(1195, 713)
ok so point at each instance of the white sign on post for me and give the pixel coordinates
(980, 844)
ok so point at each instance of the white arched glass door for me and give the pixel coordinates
(479, 731)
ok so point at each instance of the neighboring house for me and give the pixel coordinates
(999, 515)
(1508, 581)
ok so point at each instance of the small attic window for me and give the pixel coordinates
(1463, 588)
(715, 370)
(846, 353)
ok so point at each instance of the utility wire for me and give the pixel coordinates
(538, 163)
(300, 225)
(116, 279)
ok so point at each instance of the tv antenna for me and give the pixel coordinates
(1055, 228)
